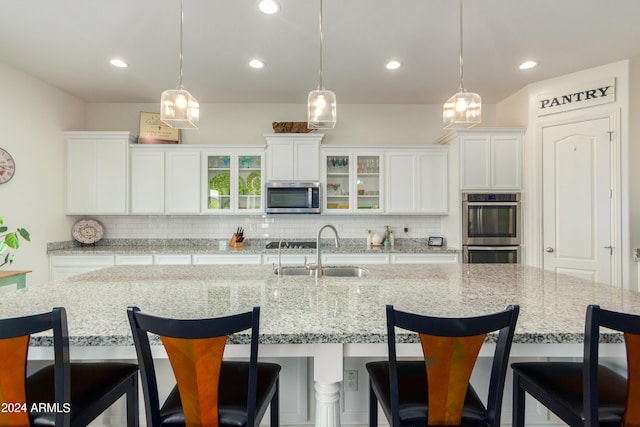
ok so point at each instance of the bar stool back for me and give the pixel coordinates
(436, 390)
(586, 393)
(209, 391)
(63, 393)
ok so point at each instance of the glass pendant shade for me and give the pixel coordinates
(179, 109)
(321, 109)
(462, 110)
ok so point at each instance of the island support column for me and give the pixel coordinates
(327, 375)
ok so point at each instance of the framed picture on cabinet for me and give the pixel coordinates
(155, 131)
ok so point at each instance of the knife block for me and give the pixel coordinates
(234, 243)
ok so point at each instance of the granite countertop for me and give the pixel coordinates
(253, 246)
(297, 309)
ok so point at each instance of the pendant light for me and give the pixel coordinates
(321, 104)
(178, 108)
(463, 109)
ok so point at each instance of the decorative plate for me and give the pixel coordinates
(87, 231)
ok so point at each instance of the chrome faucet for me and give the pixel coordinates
(318, 264)
(279, 270)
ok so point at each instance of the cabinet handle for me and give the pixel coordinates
(549, 249)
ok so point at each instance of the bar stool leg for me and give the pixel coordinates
(518, 402)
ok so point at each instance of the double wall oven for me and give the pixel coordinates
(491, 228)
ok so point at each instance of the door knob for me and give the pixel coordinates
(549, 249)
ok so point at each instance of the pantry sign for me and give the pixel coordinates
(584, 95)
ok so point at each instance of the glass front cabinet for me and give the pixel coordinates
(233, 182)
(352, 181)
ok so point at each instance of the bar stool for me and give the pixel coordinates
(209, 391)
(436, 390)
(586, 393)
(63, 393)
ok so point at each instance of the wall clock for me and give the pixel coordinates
(7, 166)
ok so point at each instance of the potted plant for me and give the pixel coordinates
(10, 240)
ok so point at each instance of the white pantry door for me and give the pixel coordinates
(577, 199)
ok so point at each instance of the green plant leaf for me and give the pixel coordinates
(1, 220)
(3, 247)
(12, 241)
(3, 229)
(25, 234)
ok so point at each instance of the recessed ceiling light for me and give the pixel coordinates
(528, 64)
(393, 65)
(118, 63)
(268, 6)
(256, 63)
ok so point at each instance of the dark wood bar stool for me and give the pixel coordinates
(436, 390)
(586, 393)
(64, 393)
(209, 391)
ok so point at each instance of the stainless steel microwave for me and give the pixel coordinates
(293, 197)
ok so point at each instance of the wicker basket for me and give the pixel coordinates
(290, 127)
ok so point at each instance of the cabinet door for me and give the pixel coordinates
(475, 162)
(281, 161)
(506, 161)
(81, 177)
(249, 191)
(112, 174)
(433, 189)
(401, 183)
(338, 179)
(367, 186)
(182, 183)
(293, 157)
(96, 173)
(147, 182)
(217, 167)
(306, 160)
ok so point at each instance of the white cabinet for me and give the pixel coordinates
(233, 181)
(293, 157)
(97, 172)
(134, 259)
(165, 180)
(352, 181)
(63, 266)
(172, 259)
(443, 258)
(490, 159)
(416, 181)
(228, 259)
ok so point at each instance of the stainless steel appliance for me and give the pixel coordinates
(293, 197)
(491, 254)
(491, 227)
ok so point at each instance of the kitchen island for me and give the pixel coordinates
(328, 320)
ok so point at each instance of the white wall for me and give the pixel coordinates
(33, 117)
(382, 124)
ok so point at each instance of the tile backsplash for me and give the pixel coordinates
(266, 226)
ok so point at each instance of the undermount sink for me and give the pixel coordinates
(326, 271)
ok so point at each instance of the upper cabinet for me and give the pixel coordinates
(293, 156)
(416, 181)
(97, 172)
(490, 159)
(165, 179)
(233, 181)
(352, 180)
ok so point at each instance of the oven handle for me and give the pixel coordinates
(492, 203)
(492, 248)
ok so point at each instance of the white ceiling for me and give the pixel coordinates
(68, 43)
